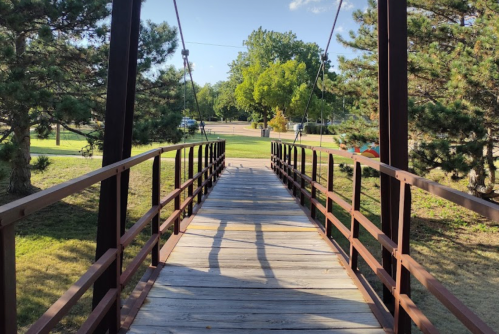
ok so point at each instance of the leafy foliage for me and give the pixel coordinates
(279, 122)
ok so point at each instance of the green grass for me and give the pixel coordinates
(57, 245)
(237, 146)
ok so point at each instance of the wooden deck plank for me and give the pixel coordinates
(251, 261)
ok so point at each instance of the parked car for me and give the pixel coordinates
(187, 122)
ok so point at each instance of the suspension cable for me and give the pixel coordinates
(323, 60)
(322, 118)
(185, 54)
(184, 122)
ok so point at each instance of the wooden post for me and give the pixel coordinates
(156, 193)
(281, 166)
(402, 321)
(190, 189)
(290, 184)
(329, 201)
(200, 169)
(58, 135)
(8, 307)
(354, 254)
(272, 155)
(313, 190)
(384, 142)
(206, 163)
(178, 176)
(215, 158)
(295, 167)
(284, 167)
(302, 181)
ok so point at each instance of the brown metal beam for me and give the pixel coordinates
(110, 201)
(8, 313)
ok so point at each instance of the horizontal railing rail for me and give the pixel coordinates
(284, 162)
(207, 173)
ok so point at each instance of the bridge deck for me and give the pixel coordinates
(251, 261)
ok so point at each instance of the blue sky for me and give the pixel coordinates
(229, 22)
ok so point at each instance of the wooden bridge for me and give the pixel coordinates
(251, 261)
(250, 256)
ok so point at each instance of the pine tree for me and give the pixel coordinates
(53, 68)
(453, 73)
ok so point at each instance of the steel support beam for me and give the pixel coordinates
(114, 142)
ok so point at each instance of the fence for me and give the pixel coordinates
(285, 164)
(110, 305)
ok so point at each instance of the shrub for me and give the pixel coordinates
(346, 169)
(370, 172)
(254, 125)
(279, 122)
(41, 164)
(260, 125)
(310, 128)
(192, 129)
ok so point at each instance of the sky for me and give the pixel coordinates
(227, 23)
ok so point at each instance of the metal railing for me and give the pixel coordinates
(109, 306)
(284, 162)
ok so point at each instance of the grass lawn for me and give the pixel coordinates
(237, 146)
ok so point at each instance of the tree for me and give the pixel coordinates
(283, 86)
(225, 103)
(453, 75)
(279, 122)
(41, 71)
(206, 98)
(266, 48)
(53, 61)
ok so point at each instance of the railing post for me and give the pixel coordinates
(302, 180)
(313, 190)
(295, 167)
(200, 169)
(8, 308)
(290, 184)
(329, 201)
(215, 156)
(284, 166)
(223, 151)
(109, 239)
(190, 189)
(354, 231)
(272, 155)
(281, 165)
(114, 313)
(277, 162)
(178, 175)
(206, 163)
(211, 165)
(156, 186)
(402, 321)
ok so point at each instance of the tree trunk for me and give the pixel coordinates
(264, 119)
(490, 157)
(20, 178)
(476, 183)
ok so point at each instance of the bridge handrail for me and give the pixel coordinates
(214, 163)
(281, 154)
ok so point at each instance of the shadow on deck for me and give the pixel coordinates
(244, 266)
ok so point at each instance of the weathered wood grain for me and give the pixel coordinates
(252, 262)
